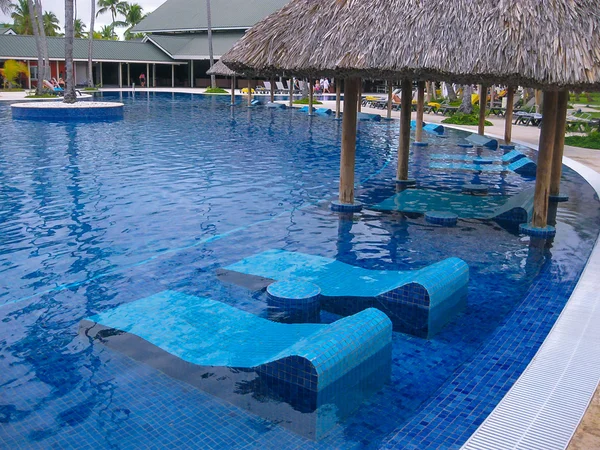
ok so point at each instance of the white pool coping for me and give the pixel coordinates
(62, 105)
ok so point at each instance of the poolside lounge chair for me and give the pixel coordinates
(280, 88)
(419, 302)
(313, 374)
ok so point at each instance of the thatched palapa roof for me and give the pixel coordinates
(219, 68)
(537, 43)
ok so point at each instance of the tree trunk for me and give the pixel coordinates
(39, 19)
(213, 80)
(70, 96)
(38, 45)
(451, 93)
(90, 80)
(428, 95)
(466, 106)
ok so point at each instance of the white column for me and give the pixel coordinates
(192, 80)
(128, 75)
(172, 75)
(101, 81)
(153, 75)
(57, 70)
(29, 75)
(147, 75)
(120, 75)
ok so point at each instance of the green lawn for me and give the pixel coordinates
(586, 98)
(591, 140)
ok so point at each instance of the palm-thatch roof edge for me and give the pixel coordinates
(219, 68)
(548, 45)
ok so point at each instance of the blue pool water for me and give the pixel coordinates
(94, 215)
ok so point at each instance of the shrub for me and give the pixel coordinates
(11, 71)
(215, 91)
(465, 119)
(304, 101)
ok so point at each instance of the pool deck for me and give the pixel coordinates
(587, 434)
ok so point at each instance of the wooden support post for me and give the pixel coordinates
(311, 91)
(508, 116)
(272, 93)
(404, 143)
(233, 90)
(120, 75)
(28, 74)
(172, 75)
(420, 111)
(359, 97)
(538, 101)
(58, 71)
(249, 93)
(428, 89)
(338, 97)
(192, 73)
(291, 92)
(482, 104)
(348, 156)
(544, 162)
(390, 100)
(559, 141)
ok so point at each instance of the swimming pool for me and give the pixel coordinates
(93, 215)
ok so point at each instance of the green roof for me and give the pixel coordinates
(190, 15)
(4, 30)
(195, 46)
(23, 47)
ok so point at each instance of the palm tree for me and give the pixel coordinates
(466, 106)
(134, 14)
(79, 29)
(21, 17)
(90, 80)
(213, 79)
(70, 96)
(115, 7)
(107, 32)
(51, 23)
(5, 6)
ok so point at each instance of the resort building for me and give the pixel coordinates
(173, 53)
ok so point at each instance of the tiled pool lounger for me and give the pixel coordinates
(517, 209)
(522, 166)
(419, 302)
(307, 376)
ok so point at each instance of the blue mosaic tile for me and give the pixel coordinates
(346, 207)
(545, 232)
(216, 347)
(444, 218)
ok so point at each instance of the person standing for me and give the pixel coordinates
(142, 80)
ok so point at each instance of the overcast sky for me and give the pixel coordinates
(83, 12)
